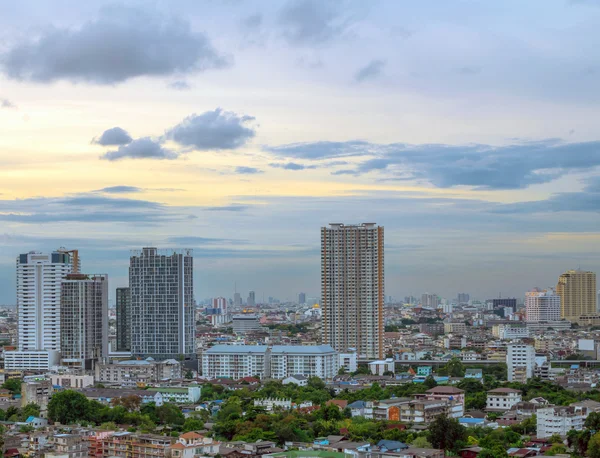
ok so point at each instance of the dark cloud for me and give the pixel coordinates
(142, 148)
(513, 166)
(113, 137)
(292, 166)
(5, 103)
(312, 22)
(121, 43)
(213, 130)
(370, 71)
(247, 170)
(180, 85)
(122, 189)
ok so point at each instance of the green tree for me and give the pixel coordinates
(13, 385)
(30, 410)
(192, 424)
(169, 414)
(444, 433)
(593, 448)
(593, 421)
(420, 442)
(68, 407)
(430, 382)
(495, 452)
(555, 439)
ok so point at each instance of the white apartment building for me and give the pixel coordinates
(502, 399)
(560, 420)
(455, 327)
(352, 288)
(510, 331)
(130, 372)
(542, 305)
(276, 362)
(31, 360)
(520, 362)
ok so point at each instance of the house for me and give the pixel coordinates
(474, 373)
(193, 444)
(424, 371)
(298, 379)
(502, 399)
(421, 453)
(340, 403)
(361, 409)
(455, 396)
(382, 366)
(391, 446)
(272, 403)
(470, 452)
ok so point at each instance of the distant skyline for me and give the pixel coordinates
(238, 128)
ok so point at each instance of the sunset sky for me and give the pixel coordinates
(469, 129)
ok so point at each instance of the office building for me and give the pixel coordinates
(39, 276)
(218, 314)
(520, 362)
(276, 362)
(542, 305)
(251, 299)
(302, 298)
(245, 322)
(504, 303)
(577, 291)
(430, 300)
(352, 288)
(162, 304)
(83, 319)
(463, 298)
(123, 300)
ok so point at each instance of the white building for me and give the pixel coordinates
(520, 361)
(72, 380)
(178, 395)
(276, 362)
(560, 420)
(352, 288)
(39, 276)
(502, 399)
(245, 322)
(382, 366)
(510, 331)
(299, 380)
(542, 305)
(130, 372)
(271, 404)
(349, 361)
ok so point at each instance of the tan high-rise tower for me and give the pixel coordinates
(352, 288)
(577, 291)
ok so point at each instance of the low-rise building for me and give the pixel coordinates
(127, 445)
(68, 446)
(454, 396)
(131, 372)
(71, 380)
(178, 395)
(423, 411)
(502, 399)
(299, 380)
(560, 420)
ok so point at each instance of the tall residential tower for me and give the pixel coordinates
(352, 288)
(577, 291)
(123, 319)
(162, 303)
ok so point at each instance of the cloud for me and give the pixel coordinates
(112, 137)
(247, 170)
(370, 71)
(122, 189)
(514, 166)
(180, 85)
(142, 148)
(469, 70)
(213, 130)
(292, 166)
(252, 22)
(311, 22)
(228, 208)
(121, 43)
(5, 103)
(193, 240)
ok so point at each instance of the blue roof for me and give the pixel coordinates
(357, 405)
(471, 421)
(391, 445)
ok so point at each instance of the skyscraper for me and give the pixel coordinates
(162, 303)
(542, 305)
(39, 276)
(463, 298)
(430, 300)
(302, 298)
(577, 291)
(251, 299)
(237, 299)
(352, 288)
(83, 319)
(123, 319)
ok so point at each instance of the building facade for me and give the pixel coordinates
(132, 372)
(123, 302)
(560, 420)
(352, 288)
(84, 319)
(520, 362)
(276, 362)
(542, 305)
(162, 304)
(502, 399)
(245, 322)
(577, 291)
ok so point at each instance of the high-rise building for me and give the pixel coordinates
(302, 298)
(83, 319)
(39, 276)
(542, 305)
(430, 300)
(352, 288)
(237, 299)
(123, 319)
(577, 291)
(463, 298)
(520, 362)
(503, 303)
(162, 303)
(251, 299)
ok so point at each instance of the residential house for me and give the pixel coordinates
(502, 399)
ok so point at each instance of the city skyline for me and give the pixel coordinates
(240, 127)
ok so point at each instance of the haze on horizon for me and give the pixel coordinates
(238, 128)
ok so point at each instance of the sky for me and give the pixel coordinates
(238, 128)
